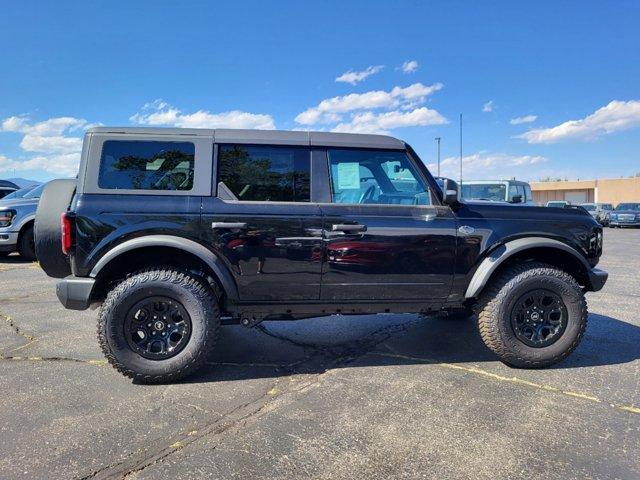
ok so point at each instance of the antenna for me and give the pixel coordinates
(438, 140)
(460, 150)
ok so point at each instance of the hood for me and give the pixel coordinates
(17, 202)
(625, 212)
(523, 211)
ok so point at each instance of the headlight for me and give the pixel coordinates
(613, 216)
(6, 217)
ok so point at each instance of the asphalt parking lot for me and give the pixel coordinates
(370, 396)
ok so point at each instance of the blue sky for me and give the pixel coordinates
(566, 73)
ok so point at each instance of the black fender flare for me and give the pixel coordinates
(207, 256)
(504, 252)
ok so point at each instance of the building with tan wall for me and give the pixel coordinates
(606, 190)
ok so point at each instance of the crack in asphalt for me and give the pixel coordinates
(51, 359)
(243, 415)
(16, 328)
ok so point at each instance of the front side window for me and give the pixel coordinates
(140, 165)
(265, 173)
(375, 177)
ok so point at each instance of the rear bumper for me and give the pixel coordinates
(597, 278)
(75, 292)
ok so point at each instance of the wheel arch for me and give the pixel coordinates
(541, 249)
(160, 250)
(29, 222)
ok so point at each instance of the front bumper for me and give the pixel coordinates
(597, 279)
(75, 292)
(8, 241)
(618, 223)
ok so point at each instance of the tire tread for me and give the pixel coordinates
(495, 294)
(184, 279)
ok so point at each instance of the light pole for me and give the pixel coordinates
(438, 140)
(460, 150)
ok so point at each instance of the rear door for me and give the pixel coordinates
(263, 223)
(385, 236)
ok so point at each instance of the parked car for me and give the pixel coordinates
(16, 223)
(298, 225)
(558, 204)
(599, 211)
(7, 187)
(625, 215)
(510, 191)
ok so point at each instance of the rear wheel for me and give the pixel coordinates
(159, 325)
(26, 244)
(532, 315)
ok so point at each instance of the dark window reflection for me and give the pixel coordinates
(147, 165)
(277, 174)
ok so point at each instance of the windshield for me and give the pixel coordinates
(589, 208)
(628, 206)
(491, 191)
(19, 193)
(35, 193)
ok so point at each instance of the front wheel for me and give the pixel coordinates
(26, 245)
(533, 315)
(159, 325)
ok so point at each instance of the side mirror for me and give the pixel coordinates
(450, 192)
(516, 199)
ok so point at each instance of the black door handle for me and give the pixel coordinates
(348, 227)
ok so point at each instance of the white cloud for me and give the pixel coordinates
(525, 119)
(355, 77)
(60, 165)
(409, 66)
(369, 122)
(50, 127)
(161, 113)
(53, 139)
(56, 144)
(616, 116)
(330, 110)
(488, 107)
(487, 165)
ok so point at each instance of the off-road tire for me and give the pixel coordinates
(54, 201)
(496, 303)
(26, 246)
(192, 292)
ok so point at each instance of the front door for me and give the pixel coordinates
(263, 223)
(384, 237)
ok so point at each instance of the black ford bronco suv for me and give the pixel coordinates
(173, 232)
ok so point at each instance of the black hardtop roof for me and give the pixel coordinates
(279, 137)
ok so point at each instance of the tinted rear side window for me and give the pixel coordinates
(139, 165)
(265, 173)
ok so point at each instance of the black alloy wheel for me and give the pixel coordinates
(539, 318)
(157, 327)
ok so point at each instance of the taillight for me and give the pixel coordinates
(66, 228)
